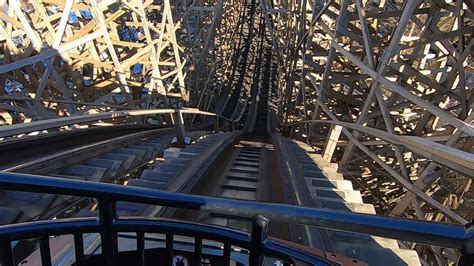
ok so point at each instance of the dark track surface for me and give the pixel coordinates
(246, 170)
(22, 150)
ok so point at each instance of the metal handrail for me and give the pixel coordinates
(438, 234)
(108, 226)
(79, 226)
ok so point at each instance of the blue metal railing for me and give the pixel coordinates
(108, 224)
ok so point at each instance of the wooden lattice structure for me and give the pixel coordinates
(403, 67)
(104, 55)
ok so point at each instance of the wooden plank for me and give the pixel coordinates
(87, 59)
(56, 42)
(61, 3)
(48, 53)
(10, 20)
(119, 70)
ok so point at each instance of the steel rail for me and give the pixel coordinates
(16, 129)
(438, 234)
(27, 99)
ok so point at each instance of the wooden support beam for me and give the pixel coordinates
(331, 142)
(396, 176)
(48, 53)
(124, 89)
(381, 69)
